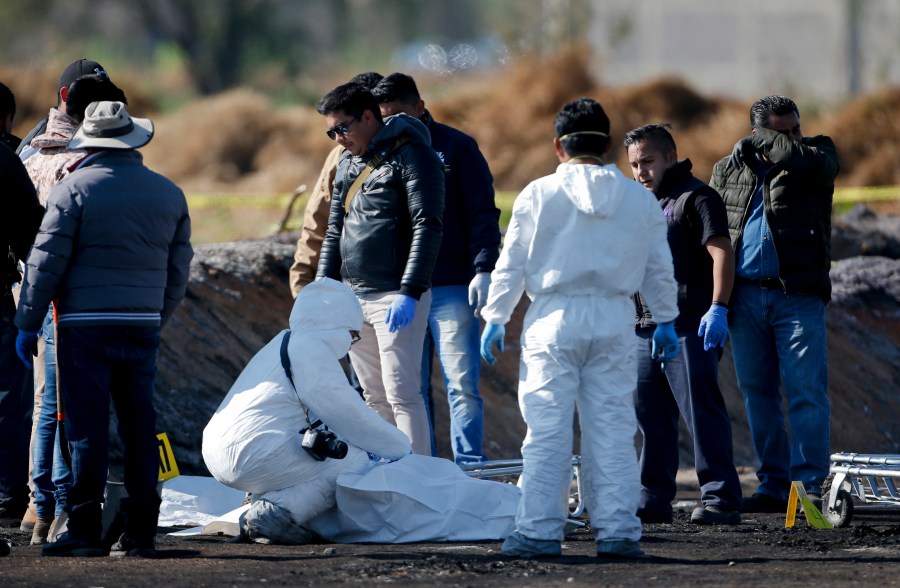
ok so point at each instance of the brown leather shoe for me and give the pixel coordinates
(40, 531)
(29, 519)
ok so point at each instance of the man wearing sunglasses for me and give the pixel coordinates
(315, 216)
(384, 232)
(468, 253)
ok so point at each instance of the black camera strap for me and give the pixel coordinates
(286, 365)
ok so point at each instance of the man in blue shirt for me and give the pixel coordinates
(778, 187)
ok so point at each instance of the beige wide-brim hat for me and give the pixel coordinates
(107, 125)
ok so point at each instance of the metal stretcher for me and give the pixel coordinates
(507, 468)
(861, 481)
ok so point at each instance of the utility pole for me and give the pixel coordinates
(854, 17)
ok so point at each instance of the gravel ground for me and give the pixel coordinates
(758, 550)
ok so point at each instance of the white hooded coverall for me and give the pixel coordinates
(252, 443)
(579, 243)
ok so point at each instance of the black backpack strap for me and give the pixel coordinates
(370, 166)
(285, 360)
(286, 364)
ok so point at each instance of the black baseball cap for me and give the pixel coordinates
(79, 68)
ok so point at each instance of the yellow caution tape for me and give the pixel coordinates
(813, 515)
(504, 199)
(197, 201)
(167, 467)
(866, 194)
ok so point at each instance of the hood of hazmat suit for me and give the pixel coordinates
(252, 442)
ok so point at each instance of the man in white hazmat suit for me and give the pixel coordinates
(253, 442)
(579, 243)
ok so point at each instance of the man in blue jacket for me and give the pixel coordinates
(462, 274)
(384, 232)
(114, 252)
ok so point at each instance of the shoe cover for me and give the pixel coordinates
(624, 548)
(265, 522)
(518, 545)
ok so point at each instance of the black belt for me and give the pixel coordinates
(767, 283)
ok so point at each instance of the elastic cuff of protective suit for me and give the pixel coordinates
(411, 291)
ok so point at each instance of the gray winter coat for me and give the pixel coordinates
(113, 248)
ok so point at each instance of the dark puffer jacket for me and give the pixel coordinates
(389, 239)
(798, 194)
(114, 244)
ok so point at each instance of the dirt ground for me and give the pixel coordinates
(758, 550)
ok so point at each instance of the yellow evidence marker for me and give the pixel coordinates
(813, 515)
(168, 469)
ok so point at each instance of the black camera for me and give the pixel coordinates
(322, 444)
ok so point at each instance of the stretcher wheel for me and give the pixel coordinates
(843, 508)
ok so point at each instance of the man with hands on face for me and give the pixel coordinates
(688, 383)
(778, 186)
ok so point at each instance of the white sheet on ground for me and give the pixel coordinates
(415, 499)
(196, 500)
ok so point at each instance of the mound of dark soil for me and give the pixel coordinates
(238, 300)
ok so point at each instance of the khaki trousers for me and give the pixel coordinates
(389, 367)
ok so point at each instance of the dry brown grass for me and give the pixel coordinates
(35, 92)
(867, 135)
(239, 142)
(512, 118)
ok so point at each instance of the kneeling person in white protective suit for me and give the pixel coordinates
(580, 242)
(253, 442)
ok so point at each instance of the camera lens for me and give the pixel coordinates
(337, 449)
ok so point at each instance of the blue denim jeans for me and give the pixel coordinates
(687, 387)
(780, 339)
(16, 406)
(98, 365)
(453, 334)
(50, 473)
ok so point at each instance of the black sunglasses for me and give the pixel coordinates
(341, 129)
(354, 337)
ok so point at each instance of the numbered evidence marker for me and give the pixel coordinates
(167, 467)
(813, 516)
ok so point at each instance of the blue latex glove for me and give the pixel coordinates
(493, 334)
(478, 291)
(400, 313)
(714, 327)
(665, 342)
(26, 347)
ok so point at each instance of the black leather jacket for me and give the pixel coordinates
(389, 239)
